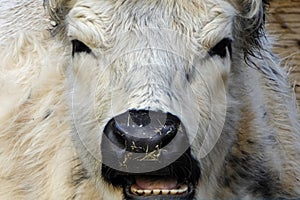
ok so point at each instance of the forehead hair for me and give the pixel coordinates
(248, 23)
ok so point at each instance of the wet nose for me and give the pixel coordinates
(142, 131)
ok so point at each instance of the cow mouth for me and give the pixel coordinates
(158, 186)
(176, 181)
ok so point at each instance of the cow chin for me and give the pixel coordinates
(147, 153)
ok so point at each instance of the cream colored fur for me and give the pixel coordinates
(45, 93)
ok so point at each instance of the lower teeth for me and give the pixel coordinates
(181, 190)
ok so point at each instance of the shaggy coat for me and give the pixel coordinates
(55, 102)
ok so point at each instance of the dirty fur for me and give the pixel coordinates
(54, 106)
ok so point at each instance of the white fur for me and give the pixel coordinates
(54, 106)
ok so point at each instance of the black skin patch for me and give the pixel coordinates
(79, 47)
(220, 48)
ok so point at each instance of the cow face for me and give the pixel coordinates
(147, 84)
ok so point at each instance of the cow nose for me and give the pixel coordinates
(142, 131)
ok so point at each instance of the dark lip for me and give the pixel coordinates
(188, 195)
(185, 169)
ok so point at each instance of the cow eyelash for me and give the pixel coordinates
(78, 47)
(220, 48)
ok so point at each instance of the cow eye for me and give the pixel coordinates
(79, 47)
(220, 49)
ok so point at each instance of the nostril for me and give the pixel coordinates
(142, 131)
(169, 129)
(140, 117)
(172, 120)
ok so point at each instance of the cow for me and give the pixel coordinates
(144, 100)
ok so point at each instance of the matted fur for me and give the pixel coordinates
(257, 155)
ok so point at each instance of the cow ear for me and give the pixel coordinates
(250, 8)
(249, 24)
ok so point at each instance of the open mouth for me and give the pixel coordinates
(176, 181)
(156, 185)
